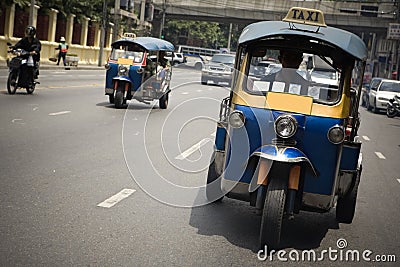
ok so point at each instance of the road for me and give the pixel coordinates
(80, 182)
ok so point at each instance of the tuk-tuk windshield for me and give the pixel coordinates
(127, 51)
(292, 72)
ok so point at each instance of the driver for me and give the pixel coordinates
(31, 44)
(288, 79)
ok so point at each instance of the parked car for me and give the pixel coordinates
(381, 90)
(218, 69)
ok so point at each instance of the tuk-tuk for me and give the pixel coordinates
(286, 140)
(136, 70)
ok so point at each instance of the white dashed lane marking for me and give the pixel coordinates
(111, 201)
(192, 149)
(59, 113)
(398, 180)
(366, 138)
(380, 155)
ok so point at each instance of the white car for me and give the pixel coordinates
(176, 59)
(381, 92)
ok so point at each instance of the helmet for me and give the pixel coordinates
(30, 31)
(62, 39)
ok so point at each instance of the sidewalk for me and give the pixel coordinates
(51, 66)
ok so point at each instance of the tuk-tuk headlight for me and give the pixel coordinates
(285, 126)
(236, 119)
(122, 70)
(336, 134)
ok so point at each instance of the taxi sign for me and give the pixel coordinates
(307, 16)
(129, 35)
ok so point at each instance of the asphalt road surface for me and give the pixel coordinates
(80, 183)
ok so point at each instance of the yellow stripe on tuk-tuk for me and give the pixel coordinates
(125, 61)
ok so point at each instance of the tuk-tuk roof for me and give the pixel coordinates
(148, 43)
(348, 42)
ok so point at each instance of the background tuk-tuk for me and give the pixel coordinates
(288, 144)
(137, 70)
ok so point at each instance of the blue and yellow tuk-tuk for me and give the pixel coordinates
(287, 139)
(135, 70)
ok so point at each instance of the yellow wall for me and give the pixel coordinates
(87, 54)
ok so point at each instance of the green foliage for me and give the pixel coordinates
(204, 34)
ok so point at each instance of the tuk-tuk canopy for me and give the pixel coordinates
(344, 40)
(147, 43)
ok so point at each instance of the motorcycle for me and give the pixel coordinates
(393, 107)
(22, 71)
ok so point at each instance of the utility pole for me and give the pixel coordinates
(229, 37)
(103, 33)
(116, 20)
(31, 8)
(163, 19)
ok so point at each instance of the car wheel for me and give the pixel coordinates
(198, 66)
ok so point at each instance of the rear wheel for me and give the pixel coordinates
(272, 217)
(163, 102)
(12, 83)
(198, 66)
(213, 193)
(346, 206)
(111, 99)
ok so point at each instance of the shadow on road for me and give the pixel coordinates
(239, 224)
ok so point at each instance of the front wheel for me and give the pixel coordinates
(12, 83)
(272, 217)
(163, 102)
(391, 112)
(119, 99)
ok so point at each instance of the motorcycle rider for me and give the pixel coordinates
(31, 44)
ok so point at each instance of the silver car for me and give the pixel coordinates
(218, 69)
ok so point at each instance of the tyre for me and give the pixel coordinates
(111, 99)
(12, 83)
(119, 99)
(163, 102)
(214, 193)
(198, 66)
(391, 112)
(272, 216)
(346, 206)
(203, 82)
(30, 89)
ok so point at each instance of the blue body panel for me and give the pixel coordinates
(220, 138)
(134, 77)
(311, 142)
(350, 155)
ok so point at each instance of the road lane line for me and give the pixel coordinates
(59, 113)
(111, 201)
(366, 138)
(192, 149)
(380, 155)
(398, 180)
(184, 93)
(18, 121)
